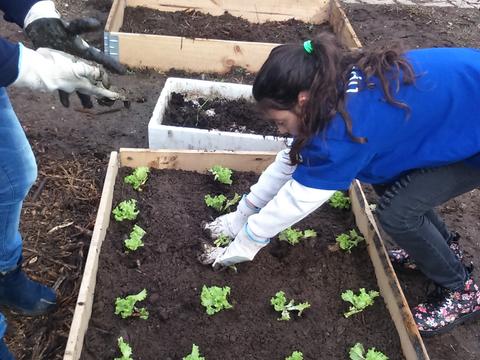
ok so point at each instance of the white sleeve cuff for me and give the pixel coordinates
(293, 202)
(41, 9)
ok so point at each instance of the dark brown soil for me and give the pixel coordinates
(171, 210)
(194, 24)
(415, 26)
(217, 114)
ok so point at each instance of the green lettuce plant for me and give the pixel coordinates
(126, 210)
(279, 302)
(339, 201)
(135, 239)
(293, 236)
(359, 302)
(220, 202)
(195, 354)
(296, 355)
(125, 350)
(125, 307)
(357, 352)
(138, 177)
(348, 241)
(222, 240)
(221, 174)
(214, 298)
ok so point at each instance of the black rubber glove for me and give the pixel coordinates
(59, 35)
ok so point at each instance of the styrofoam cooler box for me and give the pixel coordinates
(176, 137)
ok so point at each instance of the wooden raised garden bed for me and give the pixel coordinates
(170, 302)
(209, 115)
(207, 54)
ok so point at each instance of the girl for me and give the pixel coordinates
(407, 123)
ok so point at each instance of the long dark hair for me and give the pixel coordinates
(289, 70)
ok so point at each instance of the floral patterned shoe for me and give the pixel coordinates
(402, 261)
(448, 309)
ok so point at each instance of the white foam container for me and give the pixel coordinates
(175, 137)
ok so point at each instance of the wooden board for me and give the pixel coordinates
(410, 339)
(83, 308)
(210, 55)
(200, 161)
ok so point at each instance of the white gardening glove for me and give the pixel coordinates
(293, 202)
(244, 248)
(231, 223)
(50, 70)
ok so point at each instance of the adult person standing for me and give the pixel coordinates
(55, 65)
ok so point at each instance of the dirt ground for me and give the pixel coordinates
(167, 267)
(415, 26)
(72, 149)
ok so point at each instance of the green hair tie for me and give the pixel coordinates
(308, 47)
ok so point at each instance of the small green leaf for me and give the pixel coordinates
(125, 350)
(126, 210)
(359, 302)
(214, 298)
(195, 354)
(296, 355)
(222, 240)
(135, 239)
(279, 302)
(125, 307)
(340, 201)
(221, 174)
(138, 177)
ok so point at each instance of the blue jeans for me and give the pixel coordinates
(18, 171)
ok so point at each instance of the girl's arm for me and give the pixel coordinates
(293, 202)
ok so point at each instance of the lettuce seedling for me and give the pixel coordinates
(125, 350)
(293, 236)
(195, 354)
(360, 301)
(340, 201)
(348, 241)
(221, 174)
(126, 210)
(296, 355)
(138, 177)
(214, 298)
(222, 240)
(125, 307)
(279, 302)
(220, 202)
(135, 239)
(357, 352)
(215, 202)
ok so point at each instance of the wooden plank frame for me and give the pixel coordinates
(163, 52)
(200, 161)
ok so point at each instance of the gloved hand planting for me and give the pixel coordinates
(244, 248)
(231, 223)
(46, 30)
